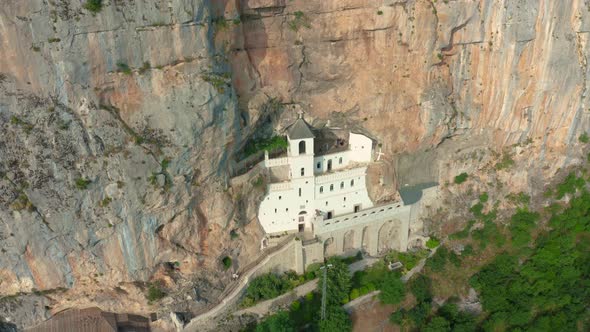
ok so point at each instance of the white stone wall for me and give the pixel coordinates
(361, 148)
(340, 192)
(289, 204)
(339, 161)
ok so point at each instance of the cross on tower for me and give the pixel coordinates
(300, 114)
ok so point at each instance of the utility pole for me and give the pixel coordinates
(324, 288)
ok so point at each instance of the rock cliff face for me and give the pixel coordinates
(120, 129)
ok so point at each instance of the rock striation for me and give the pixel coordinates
(120, 129)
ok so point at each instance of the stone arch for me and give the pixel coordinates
(349, 245)
(366, 239)
(388, 236)
(330, 247)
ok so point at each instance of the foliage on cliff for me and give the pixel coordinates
(538, 280)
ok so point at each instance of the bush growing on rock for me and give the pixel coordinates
(226, 262)
(93, 6)
(461, 178)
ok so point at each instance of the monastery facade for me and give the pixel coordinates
(321, 178)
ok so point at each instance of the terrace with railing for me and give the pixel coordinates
(365, 216)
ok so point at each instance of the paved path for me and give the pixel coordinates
(232, 292)
(265, 307)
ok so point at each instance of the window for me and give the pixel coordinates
(321, 189)
(280, 197)
(326, 203)
(352, 183)
(329, 165)
(299, 192)
(345, 199)
(331, 187)
(302, 147)
(319, 165)
(340, 160)
(275, 210)
(341, 185)
(287, 210)
(302, 171)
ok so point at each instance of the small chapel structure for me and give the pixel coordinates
(321, 178)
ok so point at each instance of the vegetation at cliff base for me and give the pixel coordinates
(531, 272)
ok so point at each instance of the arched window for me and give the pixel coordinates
(302, 171)
(329, 165)
(340, 160)
(319, 165)
(341, 185)
(302, 147)
(331, 187)
(352, 183)
(321, 189)
(299, 192)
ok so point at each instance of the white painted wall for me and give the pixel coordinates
(360, 148)
(280, 209)
(339, 161)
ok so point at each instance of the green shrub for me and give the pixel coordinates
(233, 234)
(93, 6)
(82, 183)
(483, 197)
(379, 12)
(461, 178)
(522, 222)
(299, 21)
(432, 243)
(123, 68)
(467, 250)
(354, 293)
(519, 199)
(584, 138)
(227, 262)
(270, 144)
(569, 185)
(506, 162)
(154, 292)
(437, 261)
(421, 287)
(392, 289)
(477, 209)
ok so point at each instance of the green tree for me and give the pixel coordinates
(437, 324)
(338, 283)
(421, 287)
(277, 322)
(337, 320)
(392, 289)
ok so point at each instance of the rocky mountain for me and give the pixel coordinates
(122, 124)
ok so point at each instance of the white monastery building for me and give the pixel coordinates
(320, 178)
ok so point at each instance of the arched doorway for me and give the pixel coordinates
(329, 165)
(301, 220)
(366, 239)
(330, 247)
(349, 244)
(388, 236)
(302, 147)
